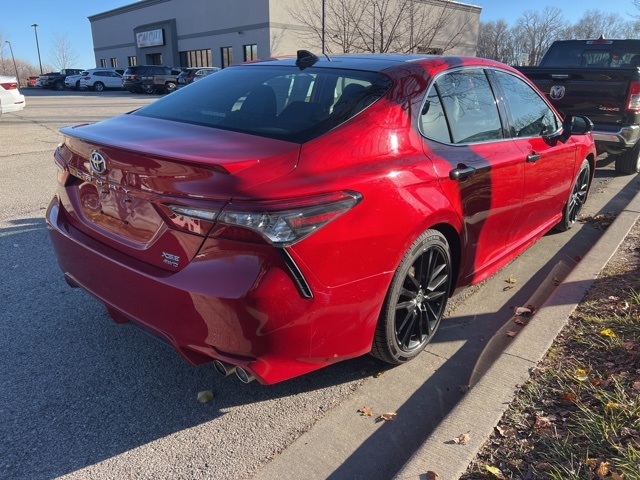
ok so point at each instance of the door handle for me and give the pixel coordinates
(534, 157)
(460, 173)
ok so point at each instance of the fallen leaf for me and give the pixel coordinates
(511, 333)
(607, 332)
(366, 411)
(462, 439)
(378, 374)
(616, 476)
(432, 475)
(205, 396)
(464, 388)
(387, 417)
(511, 280)
(508, 287)
(542, 422)
(602, 470)
(495, 471)
(613, 406)
(636, 386)
(519, 322)
(523, 311)
(568, 397)
(581, 375)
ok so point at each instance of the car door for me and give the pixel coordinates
(481, 170)
(549, 163)
(113, 80)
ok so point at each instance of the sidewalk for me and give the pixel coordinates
(483, 406)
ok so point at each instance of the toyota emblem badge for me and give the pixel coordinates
(98, 163)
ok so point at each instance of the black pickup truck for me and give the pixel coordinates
(599, 79)
(55, 80)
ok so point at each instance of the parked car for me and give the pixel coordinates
(73, 81)
(150, 79)
(99, 79)
(55, 80)
(598, 78)
(190, 75)
(11, 100)
(31, 82)
(283, 215)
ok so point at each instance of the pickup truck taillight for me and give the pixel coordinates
(633, 102)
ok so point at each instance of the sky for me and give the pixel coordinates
(70, 18)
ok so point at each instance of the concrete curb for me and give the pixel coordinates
(482, 407)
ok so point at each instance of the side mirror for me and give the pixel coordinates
(575, 125)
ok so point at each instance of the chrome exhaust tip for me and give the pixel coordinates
(243, 375)
(224, 369)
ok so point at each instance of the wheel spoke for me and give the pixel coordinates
(406, 337)
(403, 305)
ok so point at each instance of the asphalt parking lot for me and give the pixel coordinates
(83, 397)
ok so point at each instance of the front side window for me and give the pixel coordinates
(530, 114)
(277, 102)
(469, 106)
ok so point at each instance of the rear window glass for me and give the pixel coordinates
(280, 102)
(591, 56)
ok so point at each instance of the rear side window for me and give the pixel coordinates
(273, 101)
(467, 101)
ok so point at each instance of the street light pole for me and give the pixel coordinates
(35, 29)
(14, 61)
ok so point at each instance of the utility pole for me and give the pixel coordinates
(35, 29)
(14, 61)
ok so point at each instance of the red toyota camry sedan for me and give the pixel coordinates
(283, 215)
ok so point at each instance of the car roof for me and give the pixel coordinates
(380, 62)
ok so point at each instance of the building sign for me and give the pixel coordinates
(150, 38)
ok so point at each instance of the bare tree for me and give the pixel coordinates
(62, 53)
(539, 29)
(595, 23)
(380, 26)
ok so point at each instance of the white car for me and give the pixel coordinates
(73, 81)
(101, 78)
(11, 100)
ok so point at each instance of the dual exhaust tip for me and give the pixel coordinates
(226, 369)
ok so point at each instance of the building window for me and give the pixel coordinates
(133, 61)
(196, 58)
(103, 62)
(154, 59)
(114, 62)
(250, 52)
(227, 56)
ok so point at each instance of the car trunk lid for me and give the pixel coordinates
(128, 171)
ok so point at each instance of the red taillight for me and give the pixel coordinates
(9, 85)
(63, 173)
(277, 222)
(284, 222)
(633, 101)
(193, 216)
(87, 78)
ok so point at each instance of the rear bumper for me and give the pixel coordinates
(616, 137)
(234, 302)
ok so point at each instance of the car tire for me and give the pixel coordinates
(416, 300)
(628, 162)
(77, 87)
(98, 86)
(169, 87)
(577, 197)
(59, 86)
(149, 89)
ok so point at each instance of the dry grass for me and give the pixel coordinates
(578, 417)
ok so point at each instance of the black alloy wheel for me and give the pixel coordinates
(59, 86)
(416, 300)
(577, 198)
